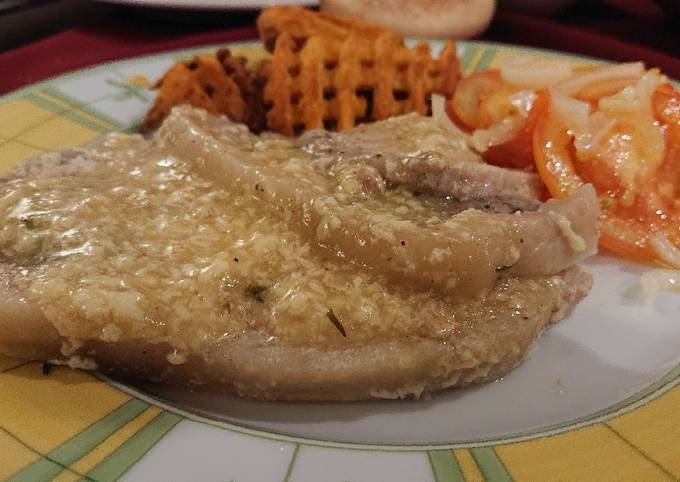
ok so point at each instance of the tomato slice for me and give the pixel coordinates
(483, 99)
(604, 88)
(496, 105)
(466, 101)
(666, 104)
(634, 207)
(554, 153)
(519, 152)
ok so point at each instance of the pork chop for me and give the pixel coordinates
(310, 269)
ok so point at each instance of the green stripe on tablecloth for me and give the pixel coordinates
(468, 54)
(107, 122)
(46, 99)
(445, 467)
(486, 59)
(47, 470)
(44, 103)
(490, 464)
(71, 115)
(291, 463)
(125, 456)
(53, 463)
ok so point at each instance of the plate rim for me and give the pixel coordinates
(250, 42)
(639, 399)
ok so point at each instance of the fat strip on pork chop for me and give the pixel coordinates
(324, 268)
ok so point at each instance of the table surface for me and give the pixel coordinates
(90, 33)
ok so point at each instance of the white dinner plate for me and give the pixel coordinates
(598, 397)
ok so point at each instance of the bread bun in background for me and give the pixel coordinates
(424, 18)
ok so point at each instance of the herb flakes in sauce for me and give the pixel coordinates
(334, 319)
(256, 291)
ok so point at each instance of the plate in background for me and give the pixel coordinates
(212, 4)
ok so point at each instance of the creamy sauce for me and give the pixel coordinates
(326, 188)
(141, 246)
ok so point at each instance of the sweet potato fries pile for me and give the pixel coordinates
(324, 72)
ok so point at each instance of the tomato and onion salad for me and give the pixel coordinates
(616, 127)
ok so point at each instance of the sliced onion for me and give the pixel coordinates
(647, 85)
(652, 145)
(633, 98)
(573, 113)
(532, 73)
(523, 101)
(589, 130)
(599, 126)
(653, 139)
(578, 82)
(442, 119)
(498, 133)
(633, 107)
(658, 281)
(665, 250)
(625, 101)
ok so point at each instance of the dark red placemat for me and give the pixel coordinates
(80, 47)
(594, 40)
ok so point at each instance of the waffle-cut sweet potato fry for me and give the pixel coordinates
(220, 84)
(335, 85)
(251, 82)
(301, 24)
(326, 72)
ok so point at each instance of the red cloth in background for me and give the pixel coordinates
(81, 47)
(612, 41)
(584, 30)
